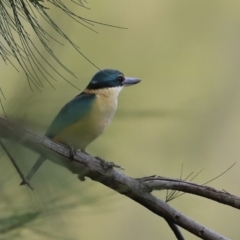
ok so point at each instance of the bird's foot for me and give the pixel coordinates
(72, 153)
(107, 165)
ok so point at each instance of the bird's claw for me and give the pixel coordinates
(107, 165)
(72, 153)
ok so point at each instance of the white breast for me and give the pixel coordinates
(83, 132)
(106, 106)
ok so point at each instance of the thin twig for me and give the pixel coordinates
(24, 179)
(85, 165)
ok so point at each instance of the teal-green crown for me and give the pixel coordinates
(108, 78)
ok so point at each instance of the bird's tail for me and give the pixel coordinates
(34, 168)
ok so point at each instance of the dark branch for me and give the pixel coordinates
(86, 165)
(24, 179)
(160, 183)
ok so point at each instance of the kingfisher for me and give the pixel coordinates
(87, 115)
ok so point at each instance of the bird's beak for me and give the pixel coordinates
(128, 81)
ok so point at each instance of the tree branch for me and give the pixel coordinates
(160, 183)
(83, 165)
(24, 179)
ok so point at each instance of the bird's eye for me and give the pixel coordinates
(120, 78)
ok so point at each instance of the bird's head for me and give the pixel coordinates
(110, 78)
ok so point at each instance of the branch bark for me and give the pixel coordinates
(85, 165)
(161, 183)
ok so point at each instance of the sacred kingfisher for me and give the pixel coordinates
(87, 115)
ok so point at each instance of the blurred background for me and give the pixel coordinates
(184, 113)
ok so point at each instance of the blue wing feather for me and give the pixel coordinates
(74, 110)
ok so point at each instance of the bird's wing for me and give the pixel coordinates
(74, 110)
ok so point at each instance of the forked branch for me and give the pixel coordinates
(85, 165)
